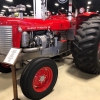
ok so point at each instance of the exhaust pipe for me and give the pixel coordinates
(32, 50)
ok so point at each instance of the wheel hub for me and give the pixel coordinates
(42, 79)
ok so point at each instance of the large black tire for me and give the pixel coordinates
(23, 78)
(86, 51)
(29, 79)
(4, 70)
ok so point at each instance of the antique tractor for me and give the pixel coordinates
(41, 40)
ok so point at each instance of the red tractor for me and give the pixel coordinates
(40, 40)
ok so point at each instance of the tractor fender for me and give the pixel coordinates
(88, 14)
(83, 17)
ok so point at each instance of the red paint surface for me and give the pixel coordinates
(54, 23)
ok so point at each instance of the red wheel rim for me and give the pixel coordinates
(42, 79)
(5, 65)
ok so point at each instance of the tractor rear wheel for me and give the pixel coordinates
(86, 51)
(39, 78)
(4, 68)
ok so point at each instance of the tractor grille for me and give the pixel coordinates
(5, 39)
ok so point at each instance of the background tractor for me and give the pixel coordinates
(42, 39)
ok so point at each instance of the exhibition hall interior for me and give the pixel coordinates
(49, 49)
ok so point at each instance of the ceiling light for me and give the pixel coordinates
(32, 14)
(53, 12)
(88, 7)
(31, 11)
(25, 13)
(97, 11)
(62, 8)
(56, 4)
(5, 7)
(3, 10)
(9, 0)
(89, 2)
(1, 15)
(29, 6)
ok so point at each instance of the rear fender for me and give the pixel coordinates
(83, 17)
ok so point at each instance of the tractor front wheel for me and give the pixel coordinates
(39, 78)
(86, 51)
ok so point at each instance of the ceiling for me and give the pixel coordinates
(51, 5)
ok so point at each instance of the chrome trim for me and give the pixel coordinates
(5, 39)
(47, 52)
(31, 50)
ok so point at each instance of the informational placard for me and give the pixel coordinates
(12, 56)
(62, 1)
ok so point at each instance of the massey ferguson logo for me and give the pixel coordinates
(62, 1)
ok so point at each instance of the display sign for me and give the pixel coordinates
(62, 1)
(12, 56)
(81, 10)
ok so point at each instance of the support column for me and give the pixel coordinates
(34, 8)
(37, 9)
(70, 5)
(76, 12)
(40, 7)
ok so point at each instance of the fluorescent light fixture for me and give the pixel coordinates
(88, 7)
(62, 7)
(56, 4)
(89, 2)
(5, 6)
(25, 13)
(53, 12)
(1, 15)
(31, 11)
(9, 0)
(3, 10)
(29, 6)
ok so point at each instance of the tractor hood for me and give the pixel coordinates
(36, 24)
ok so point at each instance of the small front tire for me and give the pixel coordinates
(39, 78)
